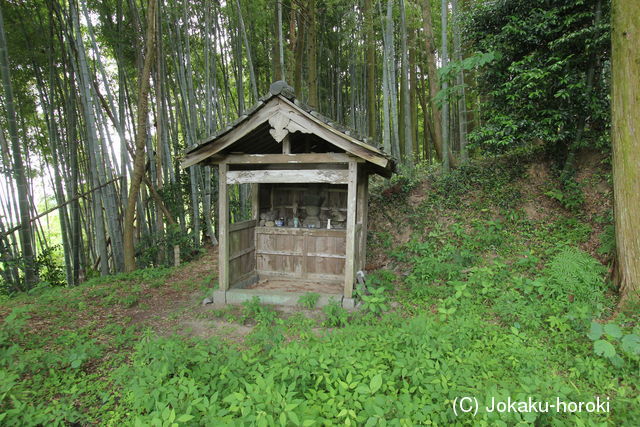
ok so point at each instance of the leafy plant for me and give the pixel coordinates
(336, 316)
(300, 325)
(309, 300)
(50, 269)
(489, 233)
(610, 342)
(570, 194)
(255, 311)
(77, 355)
(376, 301)
(13, 324)
(381, 279)
(265, 336)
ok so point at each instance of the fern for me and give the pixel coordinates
(576, 275)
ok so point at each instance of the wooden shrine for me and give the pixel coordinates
(309, 191)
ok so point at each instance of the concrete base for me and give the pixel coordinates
(348, 303)
(219, 298)
(238, 296)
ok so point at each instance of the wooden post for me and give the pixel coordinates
(223, 239)
(286, 145)
(363, 208)
(255, 208)
(349, 265)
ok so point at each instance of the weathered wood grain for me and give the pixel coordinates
(362, 215)
(242, 225)
(287, 176)
(235, 159)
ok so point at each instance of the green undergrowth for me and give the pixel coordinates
(405, 371)
(60, 346)
(480, 301)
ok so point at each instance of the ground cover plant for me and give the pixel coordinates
(474, 299)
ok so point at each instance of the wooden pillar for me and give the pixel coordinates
(363, 211)
(255, 205)
(286, 144)
(349, 265)
(223, 238)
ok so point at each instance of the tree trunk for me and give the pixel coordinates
(391, 64)
(404, 90)
(47, 99)
(299, 49)
(110, 200)
(279, 48)
(252, 75)
(413, 90)
(625, 105)
(462, 103)
(386, 90)
(428, 124)
(72, 183)
(312, 83)
(141, 136)
(86, 97)
(434, 85)
(191, 120)
(124, 160)
(210, 123)
(445, 102)
(371, 69)
(160, 134)
(10, 245)
(30, 275)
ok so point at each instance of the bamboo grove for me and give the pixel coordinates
(101, 98)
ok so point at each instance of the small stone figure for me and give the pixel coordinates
(267, 219)
(338, 219)
(312, 207)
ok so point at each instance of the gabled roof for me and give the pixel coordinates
(284, 114)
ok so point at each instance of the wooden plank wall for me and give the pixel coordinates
(242, 251)
(301, 253)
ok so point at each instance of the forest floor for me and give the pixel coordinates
(491, 282)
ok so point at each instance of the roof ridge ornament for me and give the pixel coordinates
(280, 87)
